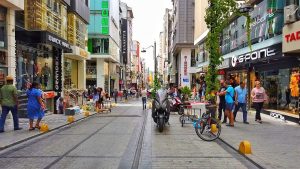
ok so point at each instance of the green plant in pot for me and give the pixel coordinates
(186, 93)
(218, 16)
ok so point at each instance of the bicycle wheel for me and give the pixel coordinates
(209, 130)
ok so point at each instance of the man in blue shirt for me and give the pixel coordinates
(229, 95)
(241, 101)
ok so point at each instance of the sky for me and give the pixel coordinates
(147, 24)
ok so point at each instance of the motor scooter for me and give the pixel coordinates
(161, 109)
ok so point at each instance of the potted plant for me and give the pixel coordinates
(218, 16)
(186, 93)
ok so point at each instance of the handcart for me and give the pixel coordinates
(191, 112)
(107, 106)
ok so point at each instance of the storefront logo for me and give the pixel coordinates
(292, 37)
(252, 56)
(124, 40)
(59, 42)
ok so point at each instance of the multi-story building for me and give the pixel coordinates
(160, 57)
(291, 50)
(135, 65)
(7, 37)
(126, 43)
(50, 40)
(166, 52)
(104, 44)
(183, 41)
(200, 34)
(277, 68)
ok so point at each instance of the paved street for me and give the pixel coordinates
(127, 138)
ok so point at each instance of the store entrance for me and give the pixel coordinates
(270, 81)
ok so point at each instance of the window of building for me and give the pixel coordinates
(3, 28)
(100, 46)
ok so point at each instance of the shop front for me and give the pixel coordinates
(275, 71)
(291, 48)
(74, 70)
(39, 59)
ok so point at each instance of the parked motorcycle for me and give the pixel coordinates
(177, 105)
(161, 109)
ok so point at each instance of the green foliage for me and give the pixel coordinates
(186, 91)
(218, 15)
(156, 86)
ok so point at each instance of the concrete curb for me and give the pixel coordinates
(245, 156)
(43, 133)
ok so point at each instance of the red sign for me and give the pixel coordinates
(221, 72)
(185, 66)
(49, 95)
(292, 37)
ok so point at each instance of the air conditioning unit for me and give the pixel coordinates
(290, 13)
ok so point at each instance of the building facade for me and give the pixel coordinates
(104, 45)
(182, 41)
(50, 48)
(266, 61)
(127, 45)
(8, 10)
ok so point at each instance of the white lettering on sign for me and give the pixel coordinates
(185, 66)
(59, 42)
(252, 56)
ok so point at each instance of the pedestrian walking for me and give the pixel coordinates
(35, 106)
(259, 96)
(229, 95)
(9, 102)
(144, 98)
(116, 95)
(222, 102)
(241, 101)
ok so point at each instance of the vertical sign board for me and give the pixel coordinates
(124, 39)
(105, 17)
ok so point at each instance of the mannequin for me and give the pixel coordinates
(46, 72)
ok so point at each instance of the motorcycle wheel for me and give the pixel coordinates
(160, 124)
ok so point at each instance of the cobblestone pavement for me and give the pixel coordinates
(125, 138)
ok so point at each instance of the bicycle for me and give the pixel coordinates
(207, 127)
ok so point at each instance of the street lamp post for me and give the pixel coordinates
(154, 55)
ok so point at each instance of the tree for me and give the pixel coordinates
(217, 17)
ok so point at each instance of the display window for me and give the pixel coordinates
(282, 88)
(70, 74)
(34, 64)
(236, 77)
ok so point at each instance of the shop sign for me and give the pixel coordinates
(83, 53)
(57, 71)
(185, 66)
(221, 72)
(292, 37)
(124, 40)
(58, 42)
(253, 56)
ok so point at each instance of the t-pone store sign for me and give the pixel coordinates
(291, 38)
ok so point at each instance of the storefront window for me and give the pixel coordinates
(3, 29)
(70, 74)
(91, 73)
(282, 88)
(34, 64)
